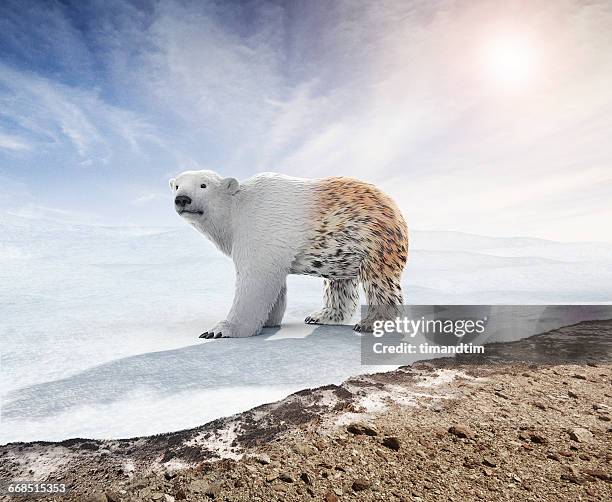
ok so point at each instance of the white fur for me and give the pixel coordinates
(261, 224)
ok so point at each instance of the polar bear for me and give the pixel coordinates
(272, 225)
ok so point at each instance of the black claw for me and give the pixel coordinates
(209, 336)
(203, 335)
(218, 335)
(356, 327)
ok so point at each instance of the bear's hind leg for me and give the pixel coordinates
(340, 299)
(384, 297)
(275, 317)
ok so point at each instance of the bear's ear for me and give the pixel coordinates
(172, 183)
(230, 185)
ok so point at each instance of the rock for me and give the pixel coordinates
(262, 458)
(572, 394)
(337, 491)
(303, 449)
(599, 474)
(305, 477)
(489, 461)
(539, 404)
(572, 478)
(283, 476)
(330, 497)
(112, 496)
(578, 376)
(97, 497)
(89, 446)
(360, 484)
(437, 407)
(360, 428)
(198, 486)
(392, 442)
(272, 476)
(168, 498)
(461, 431)
(580, 435)
(213, 490)
(537, 438)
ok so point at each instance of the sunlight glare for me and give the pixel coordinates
(510, 62)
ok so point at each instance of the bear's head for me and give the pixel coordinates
(200, 195)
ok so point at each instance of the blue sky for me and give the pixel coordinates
(102, 102)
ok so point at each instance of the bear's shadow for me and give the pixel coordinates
(295, 355)
(325, 355)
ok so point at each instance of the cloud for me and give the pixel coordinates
(9, 142)
(66, 116)
(392, 92)
(149, 198)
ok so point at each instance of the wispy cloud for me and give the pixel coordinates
(9, 142)
(150, 198)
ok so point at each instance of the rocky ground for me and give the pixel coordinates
(491, 428)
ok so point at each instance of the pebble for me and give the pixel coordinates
(283, 476)
(537, 438)
(489, 461)
(305, 477)
(437, 407)
(112, 496)
(98, 497)
(330, 497)
(392, 442)
(360, 428)
(461, 431)
(271, 477)
(580, 435)
(262, 458)
(360, 484)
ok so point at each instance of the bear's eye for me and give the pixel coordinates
(203, 185)
(176, 187)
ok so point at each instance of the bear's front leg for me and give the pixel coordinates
(256, 293)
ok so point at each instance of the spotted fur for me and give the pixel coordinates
(359, 235)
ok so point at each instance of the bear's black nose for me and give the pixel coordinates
(182, 200)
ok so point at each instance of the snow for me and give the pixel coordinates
(100, 325)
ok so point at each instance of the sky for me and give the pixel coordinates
(489, 117)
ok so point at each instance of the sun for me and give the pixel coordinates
(510, 61)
